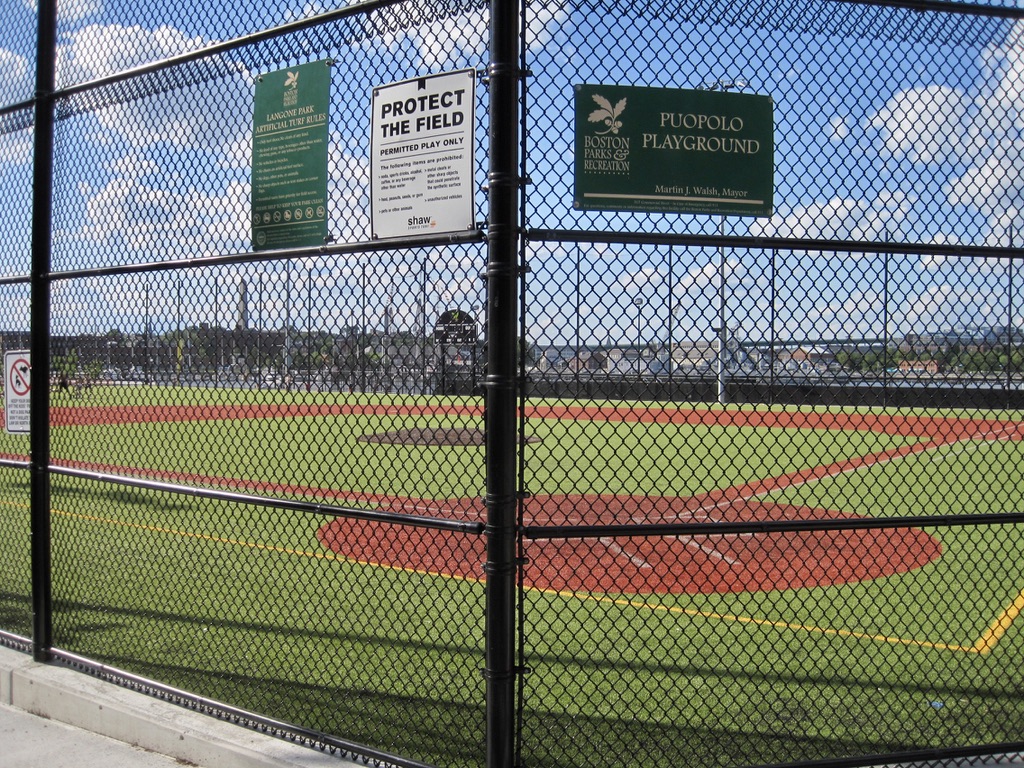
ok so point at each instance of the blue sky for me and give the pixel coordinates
(917, 142)
(876, 140)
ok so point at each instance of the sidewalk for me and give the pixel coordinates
(30, 741)
(81, 722)
(54, 717)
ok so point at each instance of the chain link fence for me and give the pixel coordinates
(767, 469)
(16, 90)
(249, 449)
(757, 579)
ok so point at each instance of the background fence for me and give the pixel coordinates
(688, 488)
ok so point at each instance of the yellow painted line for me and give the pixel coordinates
(998, 628)
(202, 536)
(256, 545)
(767, 622)
(240, 543)
(985, 644)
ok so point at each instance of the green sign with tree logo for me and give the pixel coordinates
(289, 157)
(666, 150)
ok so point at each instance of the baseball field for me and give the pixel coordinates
(718, 647)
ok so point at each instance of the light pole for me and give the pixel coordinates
(1009, 317)
(146, 359)
(215, 362)
(885, 323)
(179, 341)
(669, 323)
(385, 349)
(722, 330)
(309, 327)
(638, 302)
(676, 307)
(286, 351)
(363, 351)
(576, 319)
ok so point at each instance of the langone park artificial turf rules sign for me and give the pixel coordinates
(289, 157)
(661, 150)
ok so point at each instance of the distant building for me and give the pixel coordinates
(967, 338)
(920, 366)
(242, 323)
(693, 354)
(812, 355)
(587, 361)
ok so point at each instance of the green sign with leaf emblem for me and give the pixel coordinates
(662, 150)
(289, 157)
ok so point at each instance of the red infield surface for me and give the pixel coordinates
(676, 564)
(690, 564)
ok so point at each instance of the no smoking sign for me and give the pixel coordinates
(17, 392)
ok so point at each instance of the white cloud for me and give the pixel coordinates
(884, 216)
(15, 76)
(544, 22)
(227, 227)
(993, 183)
(307, 11)
(237, 155)
(464, 39)
(846, 219)
(832, 220)
(840, 129)
(924, 124)
(97, 50)
(136, 217)
(133, 166)
(931, 261)
(14, 70)
(962, 266)
(16, 309)
(209, 114)
(636, 281)
(939, 301)
(694, 298)
(1007, 228)
(858, 315)
(15, 148)
(71, 10)
(146, 204)
(348, 186)
(709, 274)
(1001, 104)
(947, 305)
(459, 40)
(980, 132)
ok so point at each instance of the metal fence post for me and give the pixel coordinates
(500, 383)
(39, 416)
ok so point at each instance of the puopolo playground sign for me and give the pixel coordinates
(673, 151)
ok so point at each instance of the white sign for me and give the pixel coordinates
(17, 392)
(421, 156)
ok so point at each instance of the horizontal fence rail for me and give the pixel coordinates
(759, 453)
(656, 480)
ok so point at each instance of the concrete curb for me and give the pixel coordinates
(85, 702)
